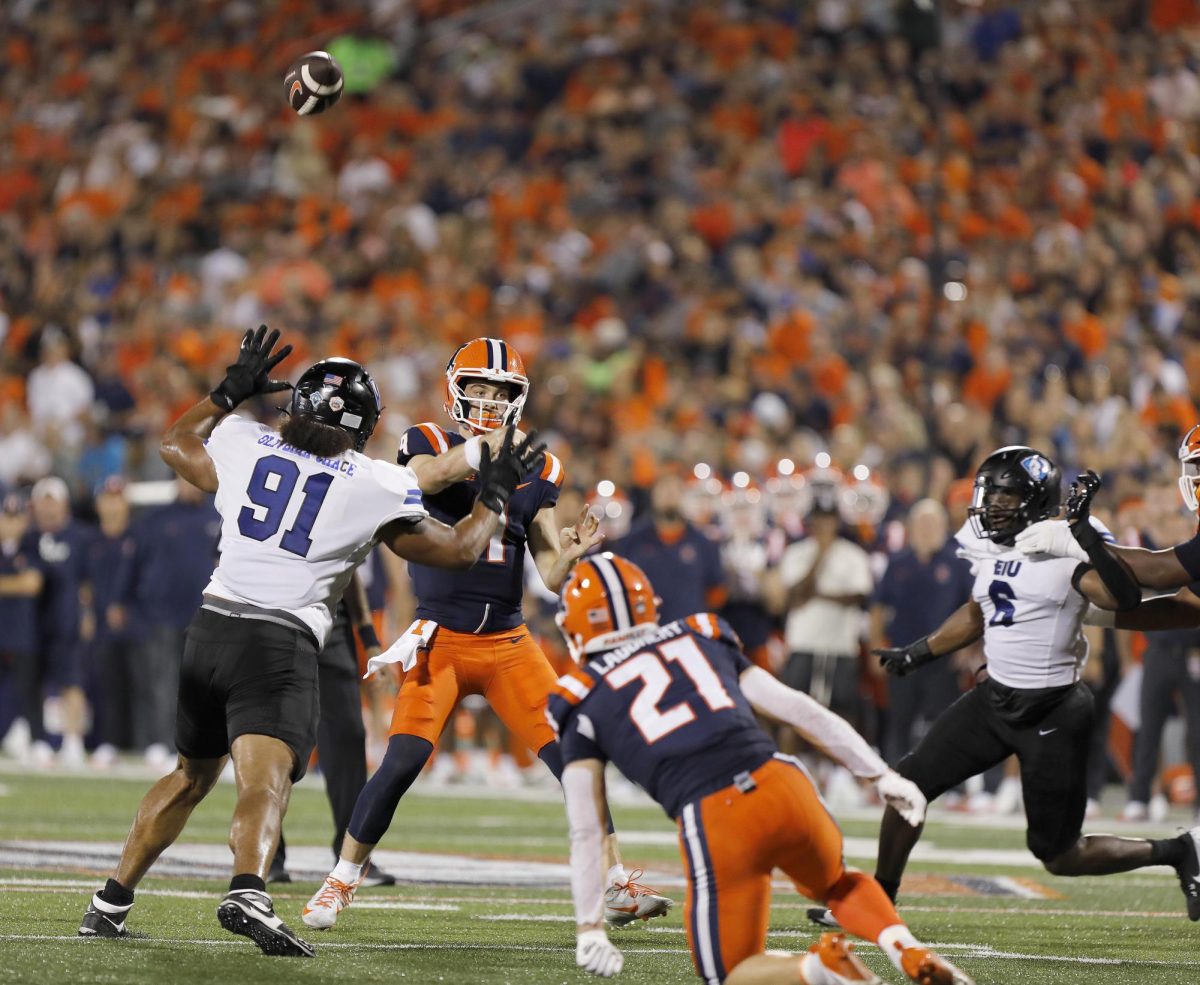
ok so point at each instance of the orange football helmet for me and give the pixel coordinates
(493, 360)
(1189, 459)
(606, 600)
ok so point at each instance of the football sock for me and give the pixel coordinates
(347, 872)
(861, 906)
(115, 894)
(890, 886)
(247, 880)
(1168, 851)
(892, 942)
(402, 764)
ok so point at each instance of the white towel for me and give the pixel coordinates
(404, 651)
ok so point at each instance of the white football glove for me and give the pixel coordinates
(903, 795)
(1050, 537)
(597, 955)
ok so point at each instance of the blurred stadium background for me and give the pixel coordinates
(760, 257)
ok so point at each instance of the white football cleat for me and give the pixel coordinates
(627, 901)
(321, 912)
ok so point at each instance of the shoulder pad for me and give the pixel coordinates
(553, 470)
(713, 627)
(424, 439)
(397, 479)
(566, 695)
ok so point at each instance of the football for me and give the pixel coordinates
(314, 83)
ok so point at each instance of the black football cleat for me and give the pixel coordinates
(252, 914)
(823, 917)
(373, 876)
(104, 919)
(1189, 872)
(278, 873)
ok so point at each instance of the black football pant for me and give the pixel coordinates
(341, 735)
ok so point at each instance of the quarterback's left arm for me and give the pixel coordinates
(556, 551)
(834, 736)
(583, 790)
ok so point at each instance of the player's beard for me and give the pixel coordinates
(322, 440)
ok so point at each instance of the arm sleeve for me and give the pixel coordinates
(818, 725)
(587, 843)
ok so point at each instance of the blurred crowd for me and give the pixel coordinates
(734, 242)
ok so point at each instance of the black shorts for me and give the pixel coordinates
(1049, 731)
(245, 676)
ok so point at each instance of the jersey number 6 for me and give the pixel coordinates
(1002, 595)
(649, 668)
(271, 486)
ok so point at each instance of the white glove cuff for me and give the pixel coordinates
(471, 450)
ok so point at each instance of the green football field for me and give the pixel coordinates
(484, 897)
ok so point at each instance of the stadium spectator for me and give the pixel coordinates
(20, 585)
(61, 544)
(828, 579)
(681, 560)
(174, 547)
(108, 630)
(921, 586)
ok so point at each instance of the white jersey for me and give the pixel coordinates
(1033, 615)
(295, 526)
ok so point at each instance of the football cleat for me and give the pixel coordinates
(822, 916)
(373, 875)
(1189, 872)
(251, 913)
(278, 872)
(104, 919)
(926, 968)
(321, 912)
(627, 901)
(839, 965)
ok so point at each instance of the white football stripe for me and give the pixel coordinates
(312, 85)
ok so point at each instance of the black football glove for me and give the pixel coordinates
(1079, 501)
(251, 374)
(901, 660)
(500, 476)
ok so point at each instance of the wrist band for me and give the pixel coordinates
(471, 451)
(367, 636)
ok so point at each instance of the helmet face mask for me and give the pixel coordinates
(491, 361)
(1015, 486)
(1189, 467)
(339, 393)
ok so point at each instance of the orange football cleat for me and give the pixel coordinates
(926, 968)
(839, 962)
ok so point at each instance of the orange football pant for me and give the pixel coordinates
(508, 669)
(731, 843)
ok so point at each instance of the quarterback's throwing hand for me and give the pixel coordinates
(577, 540)
(596, 955)
(903, 796)
(251, 374)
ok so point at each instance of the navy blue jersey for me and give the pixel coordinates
(486, 598)
(62, 555)
(683, 571)
(175, 548)
(666, 709)
(108, 569)
(922, 594)
(18, 613)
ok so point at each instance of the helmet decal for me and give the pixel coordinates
(1037, 467)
